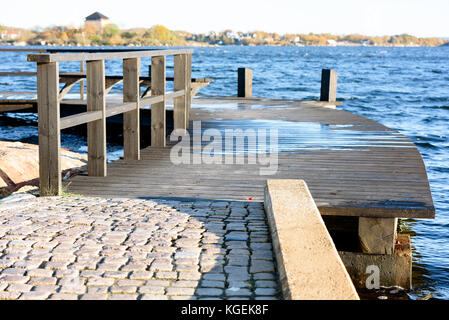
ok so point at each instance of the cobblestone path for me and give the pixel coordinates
(95, 248)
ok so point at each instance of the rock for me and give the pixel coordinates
(27, 189)
(19, 164)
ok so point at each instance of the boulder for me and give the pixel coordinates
(19, 164)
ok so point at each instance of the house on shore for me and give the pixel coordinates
(97, 19)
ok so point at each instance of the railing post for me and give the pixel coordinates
(82, 81)
(158, 109)
(328, 85)
(131, 119)
(245, 83)
(180, 83)
(49, 129)
(96, 130)
(189, 87)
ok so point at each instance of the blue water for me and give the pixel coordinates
(403, 88)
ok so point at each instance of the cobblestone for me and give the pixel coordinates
(69, 248)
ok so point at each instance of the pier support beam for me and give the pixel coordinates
(96, 130)
(377, 235)
(245, 83)
(158, 117)
(49, 129)
(385, 270)
(131, 119)
(328, 85)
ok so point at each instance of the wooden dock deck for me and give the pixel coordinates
(353, 166)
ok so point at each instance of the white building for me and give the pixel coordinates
(9, 35)
(97, 19)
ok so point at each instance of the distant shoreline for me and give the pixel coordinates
(158, 35)
(207, 45)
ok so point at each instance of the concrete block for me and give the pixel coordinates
(393, 269)
(308, 262)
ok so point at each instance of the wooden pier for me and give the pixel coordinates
(366, 170)
(353, 166)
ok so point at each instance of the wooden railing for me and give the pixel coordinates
(50, 124)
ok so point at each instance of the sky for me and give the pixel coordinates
(422, 18)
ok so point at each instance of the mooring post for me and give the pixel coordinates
(180, 83)
(328, 85)
(96, 130)
(50, 183)
(158, 109)
(131, 119)
(245, 83)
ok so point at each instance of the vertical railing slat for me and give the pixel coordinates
(96, 130)
(131, 119)
(82, 81)
(180, 83)
(49, 129)
(189, 87)
(158, 118)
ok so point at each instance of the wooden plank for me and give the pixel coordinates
(96, 130)
(17, 73)
(382, 179)
(189, 93)
(328, 85)
(131, 119)
(245, 83)
(58, 57)
(180, 83)
(158, 117)
(15, 107)
(48, 128)
(125, 107)
(80, 118)
(82, 81)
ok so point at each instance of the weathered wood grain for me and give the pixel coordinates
(49, 129)
(96, 130)
(131, 119)
(158, 117)
(383, 177)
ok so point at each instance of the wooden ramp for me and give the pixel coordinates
(353, 166)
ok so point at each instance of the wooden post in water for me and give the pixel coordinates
(158, 109)
(328, 85)
(180, 83)
(245, 83)
(49, 129)
(131, 119)
(96, 130)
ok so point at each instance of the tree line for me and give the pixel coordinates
(159, 35)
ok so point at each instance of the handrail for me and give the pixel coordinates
(50, 124)
(59, 57)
